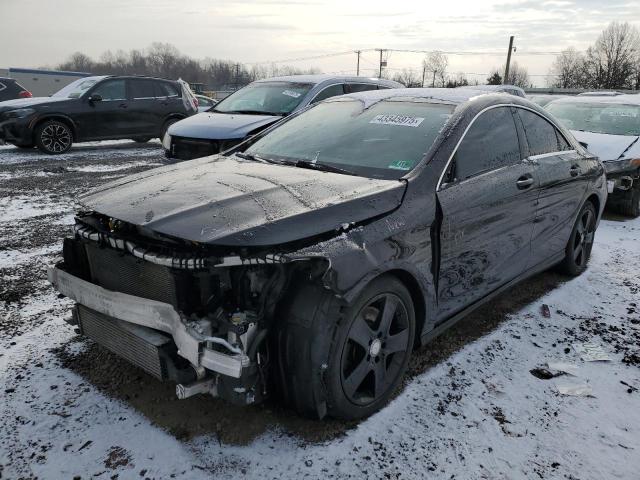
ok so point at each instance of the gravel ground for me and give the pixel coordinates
(477, 402)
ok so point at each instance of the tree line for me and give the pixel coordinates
(612, 62)
(166, 61)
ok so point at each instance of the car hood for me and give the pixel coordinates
(220, 126)
(29, 102)
(606, 147)
(229, 201)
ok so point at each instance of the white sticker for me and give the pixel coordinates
(291, 93)
(401, 120)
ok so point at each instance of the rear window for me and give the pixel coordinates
(168, 89)
(609, 118)
(386, 140)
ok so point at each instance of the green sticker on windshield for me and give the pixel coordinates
(401, 165)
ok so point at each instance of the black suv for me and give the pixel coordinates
(10, 89)
(96, 108)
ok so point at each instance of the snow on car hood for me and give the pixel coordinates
(220, 126)
(29, 102)
(229, 201)
(605, 146)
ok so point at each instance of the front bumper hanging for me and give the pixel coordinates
(152, 314)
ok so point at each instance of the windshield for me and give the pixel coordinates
(611, 118)
(267, 98)
(385, 140)
(77, 88)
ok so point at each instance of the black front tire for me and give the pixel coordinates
(166, 126)
(54, 137)
(578, 249)
(345, 360)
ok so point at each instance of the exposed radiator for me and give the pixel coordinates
(124, 273)
(138, 345)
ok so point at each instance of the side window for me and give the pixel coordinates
(143, 89)
(360, 87)
(168, 89)
(329, 92)
(490, 143)
(542, 136)
(2, 86)
(111, 90)
(562, 143)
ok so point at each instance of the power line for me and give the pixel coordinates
(449, 52)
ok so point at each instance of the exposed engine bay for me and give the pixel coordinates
(181, 314)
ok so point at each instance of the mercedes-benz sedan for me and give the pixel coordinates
(317, 255)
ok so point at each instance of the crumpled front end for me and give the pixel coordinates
(194, 316)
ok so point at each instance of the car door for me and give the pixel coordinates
(562, 173)
(106, 117)
(146, 107)
(488, 203)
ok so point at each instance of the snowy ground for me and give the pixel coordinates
(470, 408)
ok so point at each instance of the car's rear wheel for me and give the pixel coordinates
(347, 360)
(54, 137)
(578, 249)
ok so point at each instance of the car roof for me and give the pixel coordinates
(454, 96)
(626, 99)
(321, 78)
(492, 88)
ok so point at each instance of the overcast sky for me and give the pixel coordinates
(37, 33)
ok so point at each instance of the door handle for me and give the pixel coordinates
(575, 170)
(524, 182)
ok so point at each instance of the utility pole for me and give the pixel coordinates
(506, 68)
(424, 72)
(382, 62)
(237, 75)
(358, 64)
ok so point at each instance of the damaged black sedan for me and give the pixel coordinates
(311, 260)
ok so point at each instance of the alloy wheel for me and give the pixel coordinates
(583, 240)
(376, 347)
(56, 138)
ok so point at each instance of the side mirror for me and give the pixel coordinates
(95, 98)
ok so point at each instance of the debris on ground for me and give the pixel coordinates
(591, 352)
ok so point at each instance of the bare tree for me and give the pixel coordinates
(78, 62)
(434, 67)
(612, 61)
(408, 78)
(569, 70)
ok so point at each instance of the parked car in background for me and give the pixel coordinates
(542, 99)
(205, 103)
(609, 127)
(600, 93)
(256, 107)
(315, 256)
(511, 89)
(96, 108)
(10, 90)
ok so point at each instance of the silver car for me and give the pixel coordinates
(609, 126)
(254, 108)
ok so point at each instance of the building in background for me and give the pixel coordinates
(42, 83)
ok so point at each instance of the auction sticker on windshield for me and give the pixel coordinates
(291, 93)
(400, 165)
(400, 120)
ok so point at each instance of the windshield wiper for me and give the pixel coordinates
(320, 166)
(249, 112)
(256, 158)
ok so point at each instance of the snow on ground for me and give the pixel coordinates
(478, 414)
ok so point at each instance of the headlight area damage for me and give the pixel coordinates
(181, 311)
